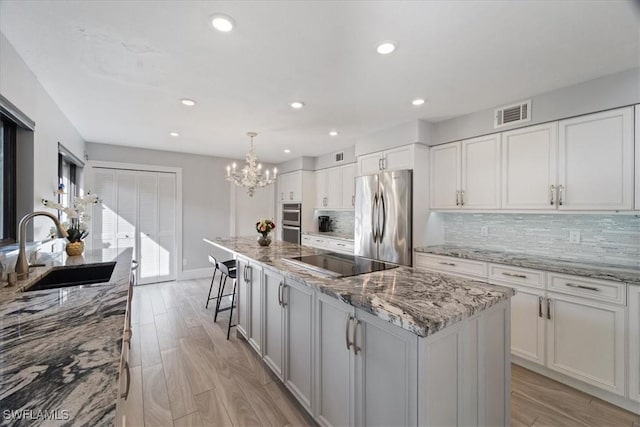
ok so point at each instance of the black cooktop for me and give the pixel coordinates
(340, 265)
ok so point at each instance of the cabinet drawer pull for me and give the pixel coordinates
(539, 306)
(340, 244)
(548, 308)
(125, 367)
(346, 331)
(448, 263)
(552, 190)
(520, 276)
(589, 288)
(356, 349)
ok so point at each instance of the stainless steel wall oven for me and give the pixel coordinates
(291, 222)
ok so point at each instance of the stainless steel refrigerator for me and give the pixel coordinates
(383, 216)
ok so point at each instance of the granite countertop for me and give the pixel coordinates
(331, 234)
(417, 300)
(602, 271)
(60, 349)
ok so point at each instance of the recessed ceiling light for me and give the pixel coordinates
(333, 133)
(386, 47)
(287, 151)
(223, 23)
(297, 104)
(417, 101)
(188, 102)
(174, 134)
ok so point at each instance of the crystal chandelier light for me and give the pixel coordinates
(250, 176)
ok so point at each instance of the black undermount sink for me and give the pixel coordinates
(73, 276)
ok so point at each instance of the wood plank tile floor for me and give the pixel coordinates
(185, 373)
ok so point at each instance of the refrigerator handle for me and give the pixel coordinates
(384, 219)
(374, 218)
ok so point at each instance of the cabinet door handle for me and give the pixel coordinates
(346, 331)
(282, 195)
(291, 195)
(353, 200)
(539, 306)
(340, 244)
(448, 263)
(520, 276)
(280, 294)
(590, 288)
(457, 198)
(461, 197)
(380, 164)
(549, 308)
(552, 190)
(356, 349)
(125, 368)
(284, 286)
(560, 190)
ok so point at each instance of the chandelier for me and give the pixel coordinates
(250, 176)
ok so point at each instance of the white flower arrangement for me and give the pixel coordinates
(77, 224)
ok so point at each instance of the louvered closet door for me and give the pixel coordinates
(126, 195)
(148, 227)
(167, 226)
(104, 216)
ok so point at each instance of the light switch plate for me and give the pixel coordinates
(484, 231)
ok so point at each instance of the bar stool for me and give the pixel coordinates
(231, 265)
(231, 273)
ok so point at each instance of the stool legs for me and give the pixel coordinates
(233, 302)
(220, 293)
(211, 287)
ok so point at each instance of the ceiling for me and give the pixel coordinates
(118, 69)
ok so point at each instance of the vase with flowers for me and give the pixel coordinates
(264, 227)
(77, 220)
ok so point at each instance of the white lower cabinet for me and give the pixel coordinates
(334, 363)
(585, 340)
(244, 305)
(528, 324)
(298, 341)
(366, 369)
(634, 342)
(273, 345)
(251, 274)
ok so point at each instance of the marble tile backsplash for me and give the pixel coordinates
(603, 238)
(342, 221)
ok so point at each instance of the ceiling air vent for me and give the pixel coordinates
(512, 114)
(339, 157)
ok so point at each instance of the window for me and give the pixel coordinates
(8, 180)
(69, 172)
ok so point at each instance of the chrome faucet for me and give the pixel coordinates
(22, 265)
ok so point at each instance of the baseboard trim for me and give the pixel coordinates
(198, 273)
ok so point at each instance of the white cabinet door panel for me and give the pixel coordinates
(444, 176)
(273, 321)
(527, 325)
(349, 185)
(321, 188)
(254, 274)
(334, 187)
(595, 166)
(369, 164)
(634, 342)
(529, 163)
(585, 340)
(398, 159)
(637, 150)
(334, 387)
(480, 179)
(299, 345)
(244, 299)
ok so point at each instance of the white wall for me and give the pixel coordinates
(412, 132)
(612, 91)
(206, 196)
(21, 87)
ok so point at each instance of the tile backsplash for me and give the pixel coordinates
(613, 239)
(342, 221)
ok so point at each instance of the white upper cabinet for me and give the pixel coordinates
(466, 174)
(290, 187)
(480, 182)
(389, 160)
(529, 167)
(349, 185)
(321, 188)
(595, 161)
(334, 187)
(445, 176)
(637, 157)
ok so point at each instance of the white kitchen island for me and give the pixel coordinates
(393, 348)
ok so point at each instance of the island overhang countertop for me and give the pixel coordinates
(414, 299)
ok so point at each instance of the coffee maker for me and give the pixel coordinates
(324, 223)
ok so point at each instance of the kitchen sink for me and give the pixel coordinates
(73, 276)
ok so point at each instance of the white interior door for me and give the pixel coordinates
(147, 232)
(167, 253)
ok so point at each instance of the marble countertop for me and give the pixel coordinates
(60, 349)
(420, 301)
(331, 234)
(592, 270)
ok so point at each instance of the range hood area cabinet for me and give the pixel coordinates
(583, 163)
